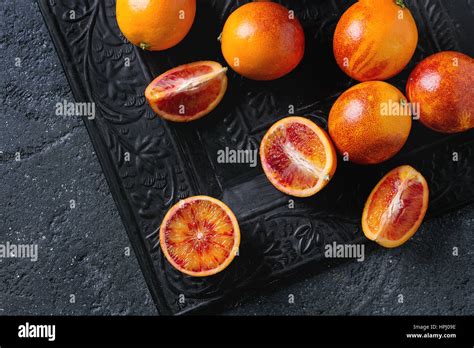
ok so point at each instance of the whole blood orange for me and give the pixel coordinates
(200, 236)
(375, 39)
(298, 157)
(443, 87)
(187, 92)
(263, 41)
(370, 122)
(396, 207)
(155, 25)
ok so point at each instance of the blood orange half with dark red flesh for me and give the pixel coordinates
(396, 207)
(298, 157)
(200, 236)
(188, 92)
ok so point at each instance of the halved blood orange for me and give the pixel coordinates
(187, 92)
(396, 207)
(200, 236)
(298, 157)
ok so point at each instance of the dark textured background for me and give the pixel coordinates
(82, 250)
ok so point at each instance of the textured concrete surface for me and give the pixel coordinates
(82, 250)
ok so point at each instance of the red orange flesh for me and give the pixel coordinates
(187, 92)
(396, 207)
(298, 157)
(200, 236)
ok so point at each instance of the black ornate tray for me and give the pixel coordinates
(169, 162)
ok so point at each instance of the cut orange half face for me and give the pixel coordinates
(200, 236)
(396, 207)
(187, 92)
(298, 157)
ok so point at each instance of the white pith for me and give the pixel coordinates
(396, 204)
(300, 161)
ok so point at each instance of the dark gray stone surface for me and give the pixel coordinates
(82, 250)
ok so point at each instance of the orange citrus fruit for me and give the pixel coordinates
(396, 207)
(187, 92)
(370, 122)
(298, 157)
(443, 87)
(200, 236)
(263, 41)
(375, 39)
(155, 25)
